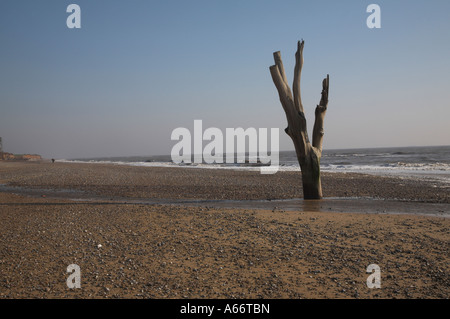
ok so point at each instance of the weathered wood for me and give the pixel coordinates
(297, 76)
(321, 109)
(308, 155)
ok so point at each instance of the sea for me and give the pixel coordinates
(431, 163)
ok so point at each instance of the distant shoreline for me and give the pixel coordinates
(428, 164)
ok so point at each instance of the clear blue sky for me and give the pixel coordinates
(136, 70)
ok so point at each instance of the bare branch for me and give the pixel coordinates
(297, 76)
(279, 63)
(296, 120)
(283, 91)
(321, 109)
(325, 86)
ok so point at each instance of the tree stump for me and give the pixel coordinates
(308, 154)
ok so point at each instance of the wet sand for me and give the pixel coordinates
(179, 251)
(116, 181)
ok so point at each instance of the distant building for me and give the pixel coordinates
(20, 157)
(5, 156)
(1, 149)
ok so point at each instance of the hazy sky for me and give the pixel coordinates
(136, 70)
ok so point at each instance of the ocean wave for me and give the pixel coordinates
(434, 172)
(344, 166)
(425, 166)
(331, 155)
(391, 166)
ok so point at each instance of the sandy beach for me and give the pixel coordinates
(102, 218)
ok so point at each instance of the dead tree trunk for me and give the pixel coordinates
(308, 154)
